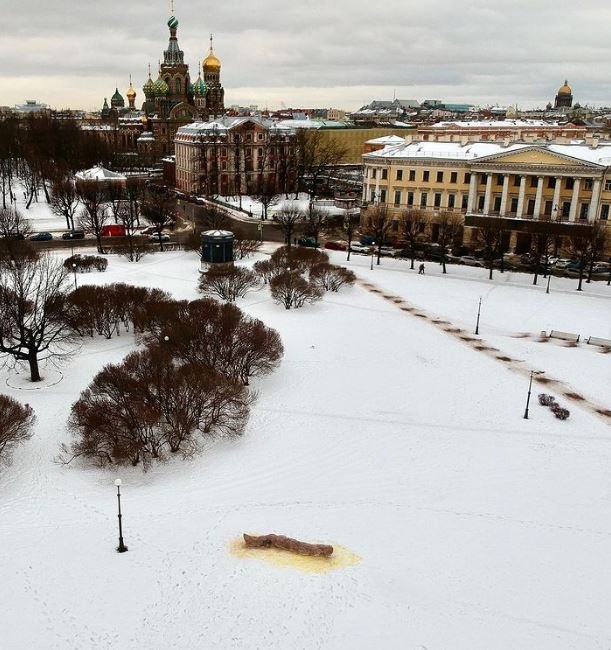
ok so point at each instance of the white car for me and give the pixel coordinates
(360, 248)
(469, 260)
(563, 263)
(156, 238)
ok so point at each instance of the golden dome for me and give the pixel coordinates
(565, 89)
(131, 93)
(211, 63)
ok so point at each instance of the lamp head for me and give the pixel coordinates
(118, 482)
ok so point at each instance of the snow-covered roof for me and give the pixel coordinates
(387, 140)
(222, 125)
(499, 124)
(99, 173)
(599, 155)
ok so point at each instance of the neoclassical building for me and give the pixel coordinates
(170, 101)
(564, 98)
(526, 184)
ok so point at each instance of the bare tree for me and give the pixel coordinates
(64, 200)
(378, 224)
(211, 217)
(266, 192)
(136, 248)
(293, 291)
(93, 216)
(580, 244)
(291, 220)
(16, 423)
(411, 224)
(540, 246)
(14, 229)
(598, 239)
(450, 232)
(32, 301)
(158, 209)
(490, 236)
(349, 226)
(227, 281)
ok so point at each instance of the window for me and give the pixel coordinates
(412, 175)
(399, 175)
(549, 206)
(534, 181)
(467, 178)
(551, 182)
(583, 212)
(372, 198)
(566, 209)
(397, 198)
(453, 177)
(604, 211)
(570, 183)
(410, 198)
(382, 196)
(465, 201)
(514, 205)
(423, 199)
(481, 201)
(530, 210)
(516, 181)
(384, 174)
(440, 177)
(588, 184)
(608, 186)
(451, 200)
(425, 175)
(374, 172)
(497, 204)
(499, 179)
(437, 199)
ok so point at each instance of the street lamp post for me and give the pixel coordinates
(74, 271)
(530, 385)
(121, 548)
(549, 277)
(373, 248)
(479, 309)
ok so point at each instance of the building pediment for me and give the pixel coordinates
(536, 156)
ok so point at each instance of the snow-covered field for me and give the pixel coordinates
(380, 432)
(254, 207)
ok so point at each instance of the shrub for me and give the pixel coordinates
(292, 290)
(85, 263)
(16, 423)
(228, 282)
(331, 277)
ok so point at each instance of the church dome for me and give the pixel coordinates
(173, 22)
(149, 87)
(160, 87)
(199, 87)
(211, 62)
(565, 89)
(117, 101)
(131, 93)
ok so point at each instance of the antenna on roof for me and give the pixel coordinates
(172, 7)
(394, 94)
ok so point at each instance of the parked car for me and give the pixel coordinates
(563, 263)
(601, 267)
(336, 245)
(387, 251)
(157, 237)
(308, 242)
(74, 234)
(41, 236)
(355, 247)
(470, 260)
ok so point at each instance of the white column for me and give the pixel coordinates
(488, 195)
(377, 197)
(520, 210)
(574, 200)
(505, 195)
(557, 208)
(538, 197)
(472, 192)
(593, 211)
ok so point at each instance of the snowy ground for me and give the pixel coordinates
(380, 432)
(252, 206)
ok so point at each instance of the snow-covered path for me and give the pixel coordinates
(476, 528)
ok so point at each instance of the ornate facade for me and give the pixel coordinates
(171, 101)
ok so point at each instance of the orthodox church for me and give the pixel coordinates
(171, 101)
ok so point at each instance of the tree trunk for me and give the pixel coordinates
(443, 264)
(491, 267)
(33, 363)
(580, 278)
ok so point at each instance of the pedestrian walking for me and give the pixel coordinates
(421, 269)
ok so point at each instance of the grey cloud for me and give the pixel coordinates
(73, 54)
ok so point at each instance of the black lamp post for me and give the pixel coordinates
(479, 309)
(373, 250)
(549, 277)
(74, 271)
(530, 385)
(121, 548)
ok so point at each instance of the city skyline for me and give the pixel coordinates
(341, 55)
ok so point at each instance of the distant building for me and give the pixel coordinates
(31, 106)
(564, 98)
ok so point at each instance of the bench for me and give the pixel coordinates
(564, 336)
(595, 340)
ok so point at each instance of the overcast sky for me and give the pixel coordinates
(340, 53)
